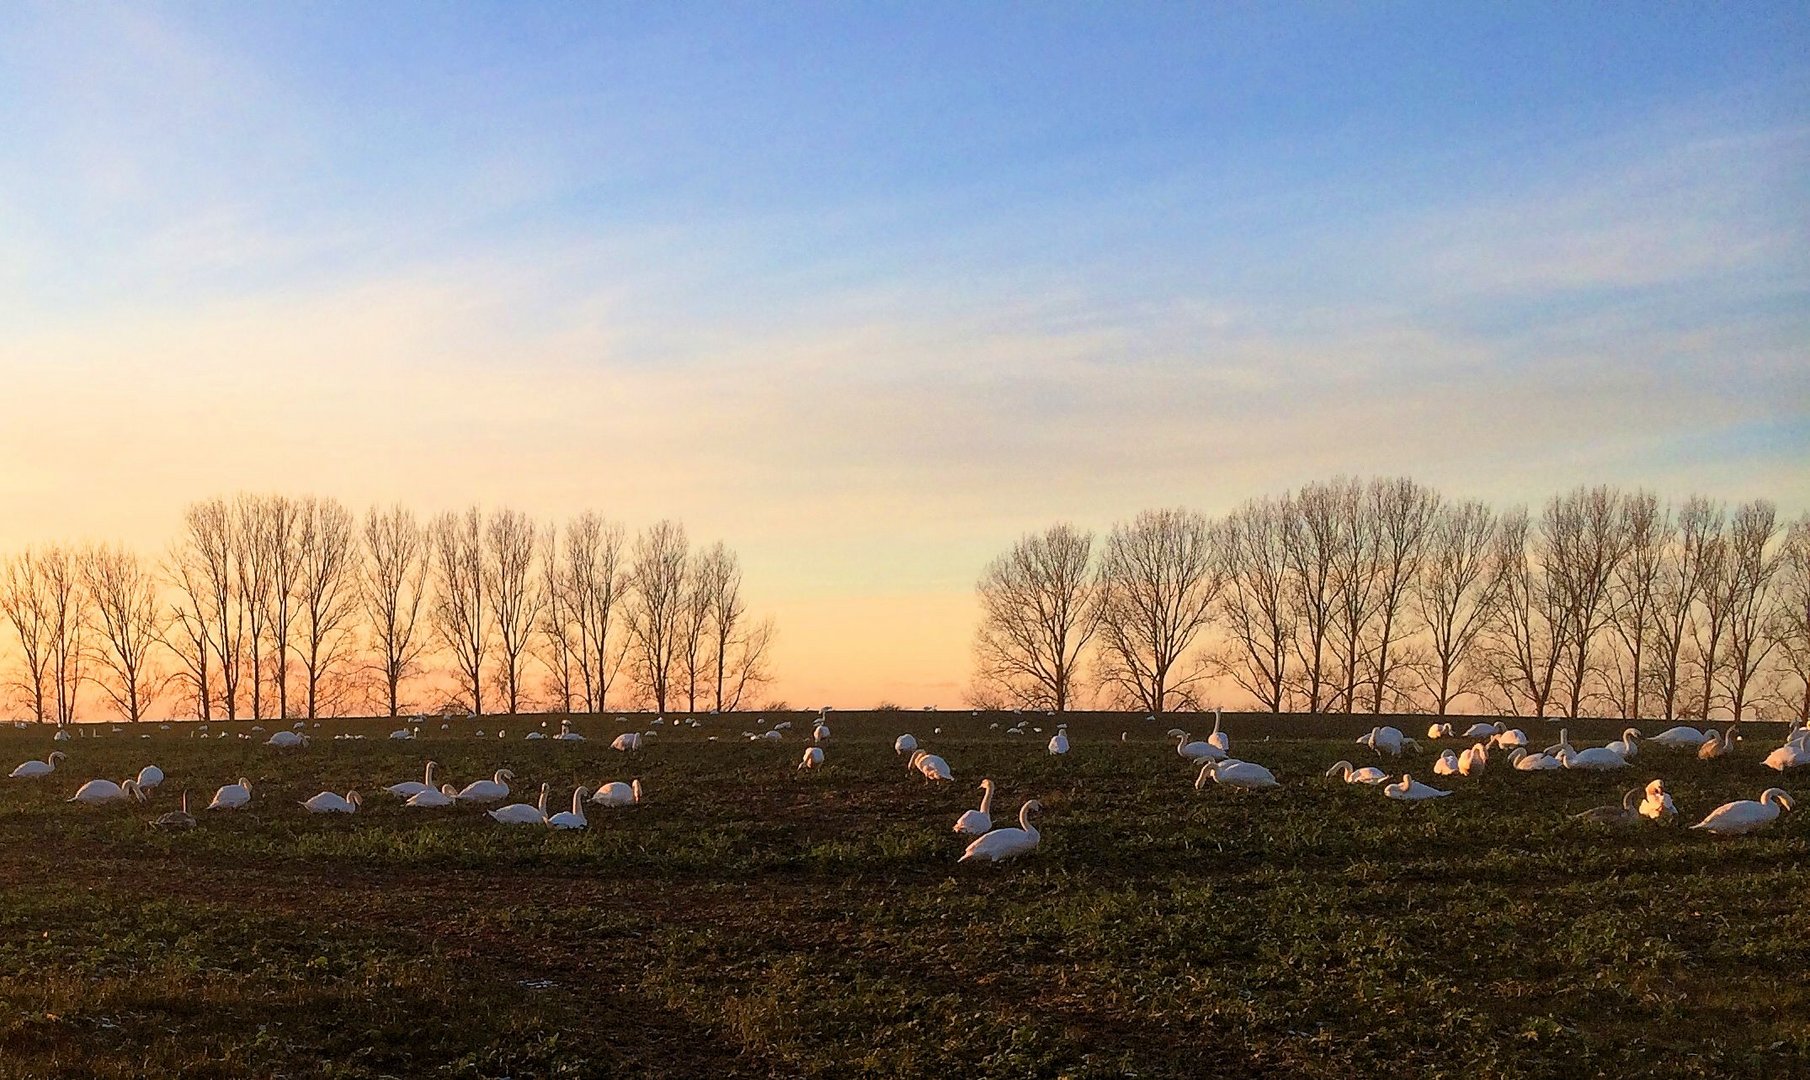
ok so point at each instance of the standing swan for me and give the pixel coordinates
(932, 766)
(1746, 815)
(522, 813)
(1059, 743)
(232, 796)
(39, 768)
(573, 818)
(1002, 844)
(978, 822)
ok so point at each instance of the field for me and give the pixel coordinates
(748, 919)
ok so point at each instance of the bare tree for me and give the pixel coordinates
(1752, 568)
(1258, 613)
(66, 625)
(326, 592)
(594, 585)
(722, 583)
(1679, 583)
(25, 600)
(1710, 616)
(1159, 579)
(1312, 543)
(1405, 513)
(515, 597)
(1039, 610)
(746, 666)
(1455, 595)
(185, 631)
(1526, 645)
(460, 614)
(559, 624)
(397, 557)
(694, 623)
(657, 582)
(208, 555)
(1791, 619)
(282, 535)
(124, 592)
(1584, 544)
(1354, 580)
(1633, 604)
(252, 559)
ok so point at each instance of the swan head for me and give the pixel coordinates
(56, 756)
(1345, 766)
(1515, 755)
(986, 785)
(1630, 798)
(355, 799)
(244, 783)
(503, 776)
(1779, 796)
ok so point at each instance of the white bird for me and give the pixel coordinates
(1472, 761)
(1412, 790)
(402, 733)
(1001, 844)
(573, 818)
(286, 739)
(176, 819)
(1794, 753)
(1245, 775)
(1680, 738)
(1713, 747)
(1219, 739)
(232, 796)
(494, 789)
(813, 757)
(1192, 749)
(1058, 743)
(978, 822)
(408, 789)
(1746, 815)
(820, 733)
(1439, 731)
(1527, 762)
(447, 795)
(566, 734)
(522, 813)
(1482, 730)
(1657, 802)
(1597, 758)
(628, 740)
(149, 777)
(1628, 813)
(617, 793)
(1387, 740)
(329, 803)
(1509, 740)
(62, 735)
(39, 768)
(101, 792)
(1447, 763)
(533, 735)
(931, 766)
(1369, 774)
(905, 744)
(1628, 746)
(1564, 743)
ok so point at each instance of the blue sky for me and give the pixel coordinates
(868, 290)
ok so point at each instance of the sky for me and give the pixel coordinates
(869, 290)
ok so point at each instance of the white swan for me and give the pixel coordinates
(232, 796)
(1472, 761)
(1447, 763)
(492, 790)
(573, 818)
(1714, 748)
(1002, 844)
(1058, 743)
(906, 743)
(617, 793)
(1439, 731)
(286, 739)
(1509, 739)
(1192, 750)
(39, 768)
(813, 757)
(1746, 815)
(101, 792)
(149, 777)
(1656, 803)
(431, 799)
(1680, 738)
(1387, 740)
(1369, 774)
(1794, 753)
(1412, 790)
(820, 733)
(1481, 730)
(628, 740)
(522, 813)
(408, 789)
(176, 819)
(1597, 758)
(1219, 739)
(1244, 775)
(329, 803)
(1628, 813)
(1628, 746)
(931, 766)
(1527, 762)
(978, 822)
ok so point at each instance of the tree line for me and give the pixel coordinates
(273, 606)
(1381, 595)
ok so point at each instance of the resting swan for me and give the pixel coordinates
(573, 818)
(1746, 815)
(329, 803)
(1369, 774)
(1244, 775)
(1412, 790)
(495, 789)
(1192, 750)
(1657, 802)
(1625, 814)
(1002, 844)
(176, 819)
(1527, 762)
(617, 793)
(232, 796)
(522, 813)
(1446, 764)
(905, 744)
(39, 768)
(101, 792)
(410, 788)
(978, 822)
(431, 799)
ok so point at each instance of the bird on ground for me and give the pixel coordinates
(1387, 740)
(1369, 774)
(1681, 737)
(1002, 844)
(1409, 789)
(1447, 763)
(1481, 730)
(150, 777)
(628, 740)
(905, 744)
(232, 796)
(931, 766)
(1794, 753)
(1439, 731)
(1628, 746)
(1508, 738)
(1597, 758)
(1628, 813)
(1527, 762)
(492, 790)
(573, 818)
(432, 799)
(286, 740)
(820, 733)
(1656, 803)
(1714, 748)
(176, 819)
(1219, 739)
(522, 813)
(329, 803)
(1746, 815)
(408, 789)
(617, 793)
(102, 792)
(1244, 775)
(30, 769)
(1472, 761)
(1192, 749)
(813, 757)
(978, 822)
(1059, 743)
